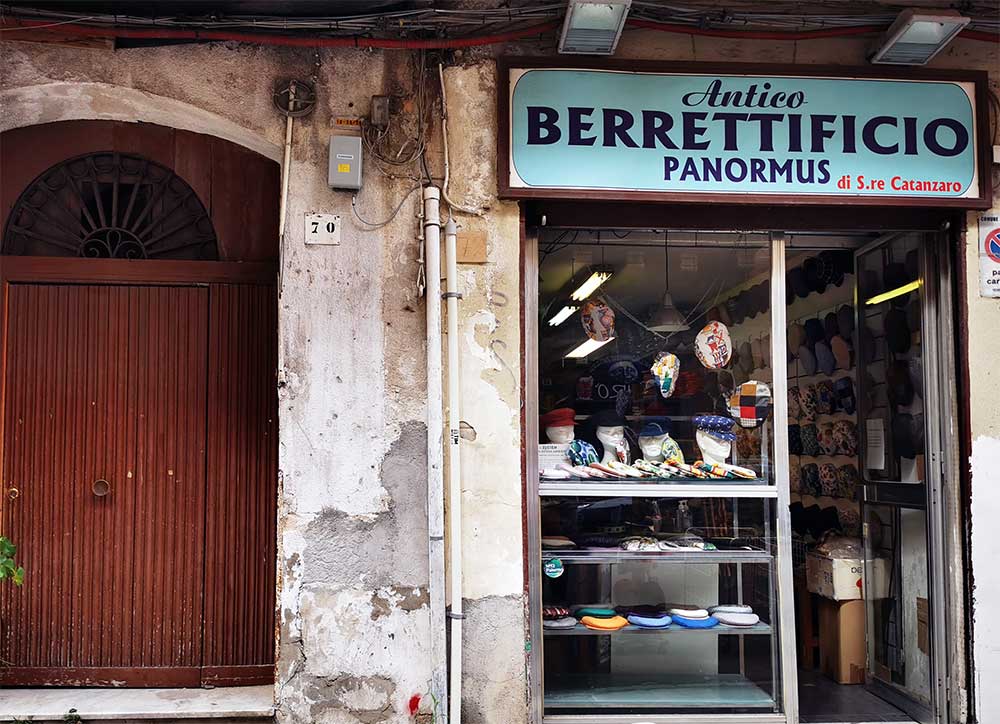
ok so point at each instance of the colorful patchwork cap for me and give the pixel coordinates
(598, 320)
(751, 403)
(665, 369)
(582, 452)
(671, 451)
(713, 347)
(716, 425)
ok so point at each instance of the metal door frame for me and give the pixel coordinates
(940, 463)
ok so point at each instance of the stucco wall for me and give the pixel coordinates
(353, 618)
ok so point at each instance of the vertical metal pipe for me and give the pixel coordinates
(786, 591)
(435, 451)
(454, 475)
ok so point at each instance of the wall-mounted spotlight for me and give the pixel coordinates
(917, 35)
(592, 27)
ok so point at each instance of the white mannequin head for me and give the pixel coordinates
(560, 433)
(610, 437)
(713, 450)
(652, 447)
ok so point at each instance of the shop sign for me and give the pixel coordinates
(644, 133)
(989, 254)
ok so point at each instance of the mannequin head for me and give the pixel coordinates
(713, 449)
(560, 433)
(610, 437)
(559, 425)
(651, 439)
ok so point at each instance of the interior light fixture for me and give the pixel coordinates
(562, 315)
(591, 345)
(593, 27)
(590, 285)
(893, 293)
(918, 35)
(667, 317)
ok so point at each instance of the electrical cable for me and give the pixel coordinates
(380, 224)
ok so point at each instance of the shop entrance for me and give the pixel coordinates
(673, 488)
(865, 464)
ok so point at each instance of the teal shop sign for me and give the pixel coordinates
(617, 131)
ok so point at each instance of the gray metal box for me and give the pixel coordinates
(345, 162)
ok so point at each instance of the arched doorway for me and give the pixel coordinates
(139, 443)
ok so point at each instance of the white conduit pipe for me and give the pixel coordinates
(455, 616)
(285, 175)
(435, 451)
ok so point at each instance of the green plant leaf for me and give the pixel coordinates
(19, 576)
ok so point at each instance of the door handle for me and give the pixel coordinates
(12, 493)
(101, 487)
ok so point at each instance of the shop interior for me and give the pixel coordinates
(655, 372)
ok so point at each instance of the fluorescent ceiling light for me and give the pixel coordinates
(592, 27)
(591, 284)
(918, 35)
(591, 345)
(562, 315)
(893, 293)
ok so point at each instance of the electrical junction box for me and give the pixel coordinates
(345, 162)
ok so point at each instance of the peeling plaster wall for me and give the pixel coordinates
(353, 618)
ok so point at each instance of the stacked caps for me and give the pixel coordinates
(825, 344)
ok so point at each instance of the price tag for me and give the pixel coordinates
(322, 229)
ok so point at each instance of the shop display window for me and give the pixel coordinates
(657, 475)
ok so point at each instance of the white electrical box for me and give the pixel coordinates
(345, 162)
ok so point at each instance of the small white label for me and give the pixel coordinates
(323, 229)
(875, 439)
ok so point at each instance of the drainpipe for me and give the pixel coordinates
(435, 452)
(455, 616)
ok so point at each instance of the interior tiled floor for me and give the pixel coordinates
(823, 700)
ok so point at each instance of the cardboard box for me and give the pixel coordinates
(842, 579)
(923, 625)
(842, 640)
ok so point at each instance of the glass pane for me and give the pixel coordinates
(630, 593)
(898, 605)
(889, 295)
(650, 344)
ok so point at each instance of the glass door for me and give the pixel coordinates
(901, 470)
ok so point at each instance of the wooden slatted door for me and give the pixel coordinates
(105, 383)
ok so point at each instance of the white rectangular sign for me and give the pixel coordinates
(989, 254)
(322, 229)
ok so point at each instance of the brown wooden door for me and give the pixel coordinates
(105, 383)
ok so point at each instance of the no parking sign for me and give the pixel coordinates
(989, 255)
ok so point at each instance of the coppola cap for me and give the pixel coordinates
(560, 417)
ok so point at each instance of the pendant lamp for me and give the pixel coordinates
(667, 318)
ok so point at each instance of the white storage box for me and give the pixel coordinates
(842, 579)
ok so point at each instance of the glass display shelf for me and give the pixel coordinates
(761, 629)
(661, 488)
(643, 691)
(613, 556)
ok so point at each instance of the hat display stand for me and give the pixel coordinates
(816, 312)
